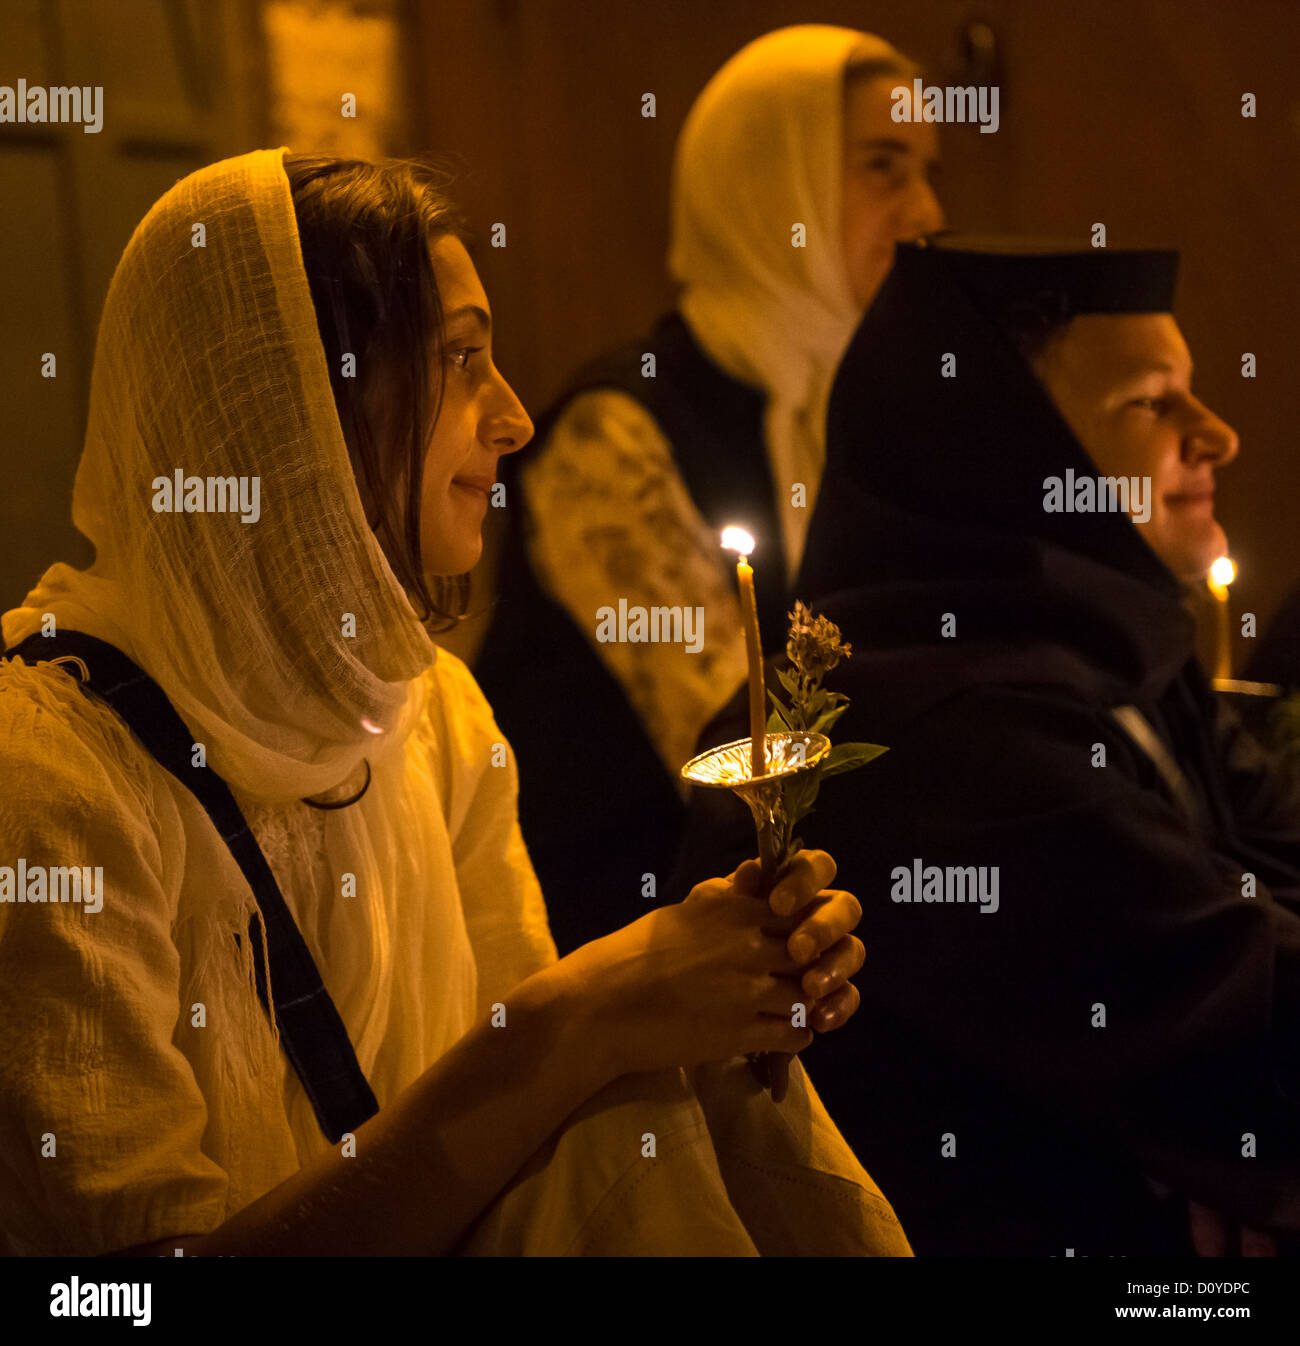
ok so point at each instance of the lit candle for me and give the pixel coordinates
(737, 540)
(1222, 573)
(773, 1068)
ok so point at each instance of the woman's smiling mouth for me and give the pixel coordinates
(1191, 500)
(480, 487)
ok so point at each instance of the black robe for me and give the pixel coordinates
(1118, 904)
(1277, 658)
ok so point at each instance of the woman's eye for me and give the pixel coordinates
(886, 171)
(460, 358)
(1156, 404)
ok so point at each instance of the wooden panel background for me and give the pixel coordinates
(181, 89)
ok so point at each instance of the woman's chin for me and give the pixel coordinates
(457, 559)
(1211, 542)
(1192, 561)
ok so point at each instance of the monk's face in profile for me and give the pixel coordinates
(480, 419)
(888, 176)
(1124, 386)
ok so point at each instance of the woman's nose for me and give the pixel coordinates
(924, 213)
(932, 216)
(1214, 438)
(509, 427)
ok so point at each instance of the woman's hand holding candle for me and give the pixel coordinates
(717, 975)
(822, 942)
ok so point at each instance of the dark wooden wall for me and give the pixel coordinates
(181, 89)
(1123, 111)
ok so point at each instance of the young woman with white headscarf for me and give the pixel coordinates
(303, 333)
(791, 185)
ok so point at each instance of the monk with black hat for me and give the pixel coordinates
(1081, 1013)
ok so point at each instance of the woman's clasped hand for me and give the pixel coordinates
(725, 972)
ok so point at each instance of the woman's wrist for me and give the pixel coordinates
(573, 1025)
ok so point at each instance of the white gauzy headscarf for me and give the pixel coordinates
(761, 151)
(209, 360)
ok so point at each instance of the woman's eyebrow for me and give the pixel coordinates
(1148, 367)
(1139, 377)
(479, 315)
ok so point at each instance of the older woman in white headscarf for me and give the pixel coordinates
(791, 185)
(145, 1103)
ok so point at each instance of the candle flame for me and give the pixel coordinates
(736, 539)
(1223, 572)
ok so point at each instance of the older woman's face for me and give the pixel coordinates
(479, 420)
(1123, 382)
(888, 183)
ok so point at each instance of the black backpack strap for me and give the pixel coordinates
(313, 1035)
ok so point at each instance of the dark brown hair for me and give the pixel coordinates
(365, 230)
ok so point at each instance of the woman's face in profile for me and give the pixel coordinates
(1123, 383)
(480, 419)
(888, 192)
